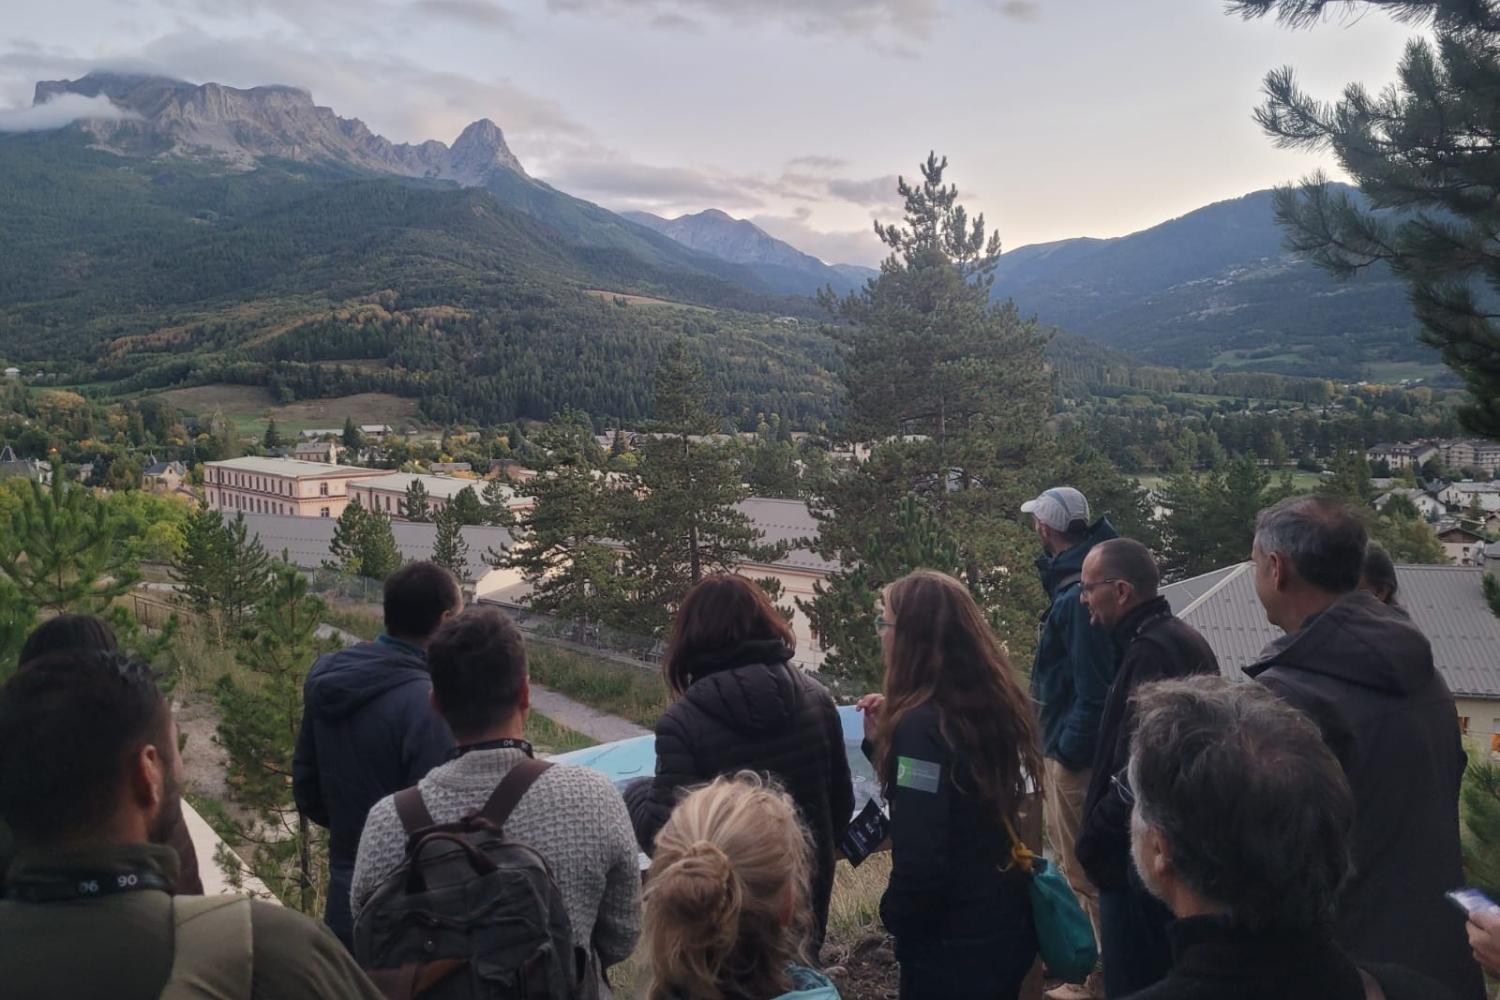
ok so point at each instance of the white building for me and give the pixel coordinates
(1472, 454)
(1427, 505)
(1403, 455)
(280, 486)
(386, 492)
(1461, 495)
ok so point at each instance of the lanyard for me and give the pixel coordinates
(86, 885)
(505, 744)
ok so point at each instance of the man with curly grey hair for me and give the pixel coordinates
(1241, 826)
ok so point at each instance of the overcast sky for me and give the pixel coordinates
(1060, 117)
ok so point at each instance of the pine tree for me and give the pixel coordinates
(378, 555)
(497, 499)
(201, 564)
(60, 552)
(272, 439)
(354, 440)
(259, 722)
(952, 394)
(346, 548)
(1425, 156)
(247, 568)
(466, 507)
(684, 523)
(417, 505)
(1210, 520)
(449, 549)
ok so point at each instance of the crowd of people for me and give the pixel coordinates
(1291, 836)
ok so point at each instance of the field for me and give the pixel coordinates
(248, 407)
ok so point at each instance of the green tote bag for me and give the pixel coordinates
(1064, 935)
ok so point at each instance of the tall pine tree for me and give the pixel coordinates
(1426, 156)
(417, 504)
(449, 549)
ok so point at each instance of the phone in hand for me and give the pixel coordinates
(1472, 901)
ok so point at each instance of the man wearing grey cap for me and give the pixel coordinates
(1075, 665)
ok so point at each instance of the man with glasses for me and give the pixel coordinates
(1118, 588)
(1069, 681)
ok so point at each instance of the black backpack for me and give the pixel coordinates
(471, 914)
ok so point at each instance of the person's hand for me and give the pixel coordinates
(871, 705)
(1484, 938)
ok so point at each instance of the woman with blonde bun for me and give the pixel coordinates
(726, 909)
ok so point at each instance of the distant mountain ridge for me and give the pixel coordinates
(239, 128)
(741, 241)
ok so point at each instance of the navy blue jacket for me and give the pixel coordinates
(368, 731)
(1075, 661)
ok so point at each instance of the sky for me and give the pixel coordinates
(1059, 118)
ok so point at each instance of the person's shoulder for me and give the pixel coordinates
(297, 957)
(282, 934)
(1403, 984)
(579, 780)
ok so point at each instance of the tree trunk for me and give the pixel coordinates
(304, 864)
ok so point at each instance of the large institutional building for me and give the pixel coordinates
(280, 486)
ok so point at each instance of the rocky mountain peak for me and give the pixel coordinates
(239, 127)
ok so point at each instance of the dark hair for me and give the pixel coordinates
(478, 665)
(1127, 559)
(1378, 574)
(69, 724)
(721, 612)
(943, 651)
(1323, 537)
(1254, 807)
(68, 632)
(417, 596)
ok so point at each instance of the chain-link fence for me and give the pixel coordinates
(628, 647)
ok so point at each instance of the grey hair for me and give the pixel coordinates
(1324, 539)
(1255, 809)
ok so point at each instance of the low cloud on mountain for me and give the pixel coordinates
(65, 109)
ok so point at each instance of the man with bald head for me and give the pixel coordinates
(1119, 588)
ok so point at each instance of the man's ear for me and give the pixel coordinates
(1159, 854)
(1280, 570)
(146, 782)
(523, 700)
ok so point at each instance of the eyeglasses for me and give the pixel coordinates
(1122, 789)
(881, 624)
(1099, 583)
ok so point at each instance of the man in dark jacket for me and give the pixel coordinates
(1075, 664)
(746, 707)
(1119, 584)
(1242, 825)
(368, 725)
(1365, 675)
(89, 911)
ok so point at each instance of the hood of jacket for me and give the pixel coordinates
(752, 688)
(343, 682)
(1360, 641)
(1069, 562)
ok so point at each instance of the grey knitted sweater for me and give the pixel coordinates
(572, 816)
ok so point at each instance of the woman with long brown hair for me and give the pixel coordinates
(739, 704)
(954, 742)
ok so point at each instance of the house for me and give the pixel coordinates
(376, 432)
(12, 373)
(320, 434)
(1464, 546)
(326, 452)
(1446, 602)
(1427, 505)
(1472, 454)
(164, 477)
(281, 486)
(386, 492)
(1462, 495)
(1403, 455)
(12, 466)
(509, 468)
(448, 468)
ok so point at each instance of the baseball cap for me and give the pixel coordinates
(1058, 507)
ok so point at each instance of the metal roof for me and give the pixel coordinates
(788, 521)
(290, 467)
(438, 487)
(306, 540)
(1446, 602)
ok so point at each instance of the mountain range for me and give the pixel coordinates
(135, 236)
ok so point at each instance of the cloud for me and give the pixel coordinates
(479, 13)
(857, 18)
(856, 246)
(63, 109)
(617, 180)
(1020, 10)
(872, 192)
(817, 163)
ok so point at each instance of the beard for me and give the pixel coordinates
(169, 816)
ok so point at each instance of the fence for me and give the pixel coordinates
(591, 637)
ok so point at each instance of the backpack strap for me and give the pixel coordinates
(514, 785)
(412, 810)
(213, 954)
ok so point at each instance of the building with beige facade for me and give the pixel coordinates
(280, 486)
(386, 492)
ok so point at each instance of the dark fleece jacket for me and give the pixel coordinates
(1365, 674)
(748, 709)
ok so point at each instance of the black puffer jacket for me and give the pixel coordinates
(1364, 673)
(749, 709)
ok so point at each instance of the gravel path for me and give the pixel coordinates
(577, 716)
